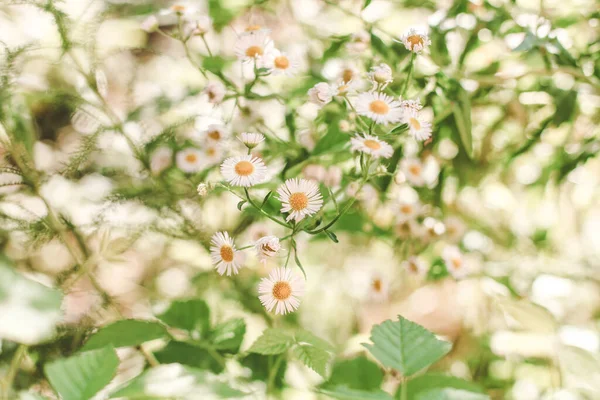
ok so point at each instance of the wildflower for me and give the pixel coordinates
(380, 107)
(320, 94)
(415, 266)
(245, 171)
(202, 189)
(280, 63)
(150, 24)
(417, 126)
(161, 159)
(381, 75)
(281, 290)
(224, 254)
(189, 160)
(299, 197)
(371, 145)
(216, 133)
(411, 105)
(267, 247)
(215, 91)
(407, 210)
(359, 42)
(412, 168)
(454, 261)
(253, 46)
(199, 26)
(251, 140)
(415, 41)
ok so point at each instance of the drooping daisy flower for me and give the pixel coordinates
(320, 94)
(224, 254)
(253, 46)
(371, 145)
(161, 159)
(299, 197)
(280, 63)
(454, 260)
(417, 126)
(189, 160)
(215, 90)
(415, 266)
(281, 291)
(215, 133)
(267, 247)
(412, 168)
(415, 41)
(245, 171)
(251, 140)
(380, 107)
(381, 75)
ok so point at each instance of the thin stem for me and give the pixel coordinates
(273, 374)
(206, 44)
(263, 212)
(12, 371)
(408, 75)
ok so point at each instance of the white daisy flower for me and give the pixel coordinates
(299, 197)
(251, 140)
(415, 41)
(189, 160)
(407, 229)
(215, 133)
(267, 247)
(320, 94)
(412, 168)
(343, 88)
(253, 46)
(161, 159)
(213, 153)
(333, 178)
(359, 42)
(381, 75)
(407, 210)
(281, 291)
(371, 145)
(246, 170)
(314, 172)
(432, 228)
(455, 262)
(280, 63)
(224, 254)
(253, 29)
(416, 266)
(380, 107)
(215, 90)
(411, 105)
(379, 288)
(417, 126)
(455, 228)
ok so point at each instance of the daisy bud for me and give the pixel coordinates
(381, 74)
(150, 24)
(267, 247)
(320, 94)
(381, 170)
(251, 140)
(202, 189)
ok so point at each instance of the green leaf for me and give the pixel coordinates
(39, 309)
(259, 368)
(272, 341)
(80, 377)
(358, 373)
(241, 204)
(215, 64)
(346, 393)
(405, 346)
(399, 129)
(335, 46)
(566, 104)
(332, 236)
(333, 138)
(189, 315)
(313, 357)
(188, 354)
(462, 116)
(366, 4)
(432, 381)
(129, 332)
(267, 197)
(379, 45)
(450, 394)
(228, 335)
(305, 337)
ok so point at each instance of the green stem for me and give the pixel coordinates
(12, 371)
(408, 75)
(273, 374)
(404, 390)
(263, 212)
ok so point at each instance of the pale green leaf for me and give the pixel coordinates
(346, 393)
(272, 341)
(125, 333)
(313, 357)
(80, 377)
(405, 346)
(228, 335)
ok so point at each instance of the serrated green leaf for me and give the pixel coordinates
(189, 315)
(405, 346)
(313, 357)
(228, 335)
(80, 377)
(450, 394)
(346, 393)
(305, 337)
(126, 333)
(272, 341)
(358, 373)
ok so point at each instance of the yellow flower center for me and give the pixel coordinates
(252, 28)
(211, 151)
(191, 158)
(244, 168)
(178, 8)
(457, 262)
(254, 51)
(412, 267)
(347, 75)
(298, 201)
(226, 253)
(282, 290)
(379, 107)
(406, 209)
(377, 285)
(372, 144)
(414, 40)
(415, 169)
(281, 62)
(414, 123)
(214, 135)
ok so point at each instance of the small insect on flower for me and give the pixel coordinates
(455, 262)
(415, 41)
(216, 133)
(267, 247)
(280, 63)
(371, 145)
(381, 75)
(161, 159)
(380, 107)
(215, 91)
(190, 160)
(299, 197)
(245, 171)
(281, 291)
(320, 94)
(224, 254)
(251, 140)
(418, 128)
(253, 46)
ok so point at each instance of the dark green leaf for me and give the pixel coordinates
(566, 104)
(379, 45)
(332, 236)
(189, 315)
(188, 354)
(345, 393)
(358, 373)
(241, 204)
(335, 46)
(125, 333)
